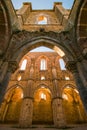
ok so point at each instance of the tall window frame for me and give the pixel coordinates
(62, 64)
(43, 64)
(23, 65)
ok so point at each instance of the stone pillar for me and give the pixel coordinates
(82, 72)
(6, 105)
(58, 113)
(56, 88)
(73, 67)
(26, 113)
(79, 113)
(3, 110)
(3, 70)
(9, 69)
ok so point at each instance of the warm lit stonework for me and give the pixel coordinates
(47, 88)
(43, 92)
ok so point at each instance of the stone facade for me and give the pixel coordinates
(23, 101)
(56, 18)
(58, 29)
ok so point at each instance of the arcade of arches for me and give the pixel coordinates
(43, 87)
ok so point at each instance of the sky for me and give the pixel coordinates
(42, 49)
(43, 4)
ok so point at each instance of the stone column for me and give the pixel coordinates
(56, 88)
(9, 69)
(73, 67)
(79, 113)
(3, 70)
(26, 113)
(6, 105)
(82, 72)
(58, 114)
(3, 110)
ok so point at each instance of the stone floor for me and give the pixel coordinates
(43, 127)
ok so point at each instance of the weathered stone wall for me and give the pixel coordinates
(41, 115)
(34, 58)
(24, 11)
(49, 14)
(56, 18)
(61, 13)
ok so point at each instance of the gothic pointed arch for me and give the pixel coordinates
(42, 112)
(71, 100)
(42, 62)
(43, 85)
(12, 104)
(32, 40)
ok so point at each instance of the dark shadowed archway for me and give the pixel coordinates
(81, 29)
(5, 28)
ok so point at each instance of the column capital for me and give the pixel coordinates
(71, 66)
(12, 66)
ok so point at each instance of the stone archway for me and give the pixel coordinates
(72, 100)
(42, 108)
(24, 41)
(80, 65)
(11, 105)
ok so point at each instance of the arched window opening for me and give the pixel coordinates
(67, 78)
(64, 96)
(43, 64)
(42, 77)
(43, 96)
(42, 20)
(62, 64)
(22, 95)
(23, 66)
(19, 77)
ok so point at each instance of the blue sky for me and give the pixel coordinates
(42, 4)
(42, 49)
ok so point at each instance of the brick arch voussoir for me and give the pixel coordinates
(22, 42)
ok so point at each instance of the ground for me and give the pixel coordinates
(43, 127)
